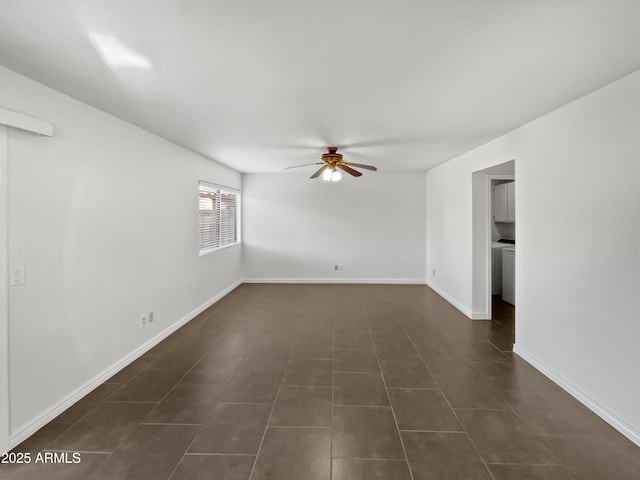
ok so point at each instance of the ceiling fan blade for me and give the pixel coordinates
(317, 174)
(305, 165)
(349, 170)
(366, 167)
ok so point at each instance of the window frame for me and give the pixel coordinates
(238, 196)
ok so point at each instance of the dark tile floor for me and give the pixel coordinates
(352, 382)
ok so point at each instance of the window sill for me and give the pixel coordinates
(217, 249)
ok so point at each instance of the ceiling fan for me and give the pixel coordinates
(332, 161)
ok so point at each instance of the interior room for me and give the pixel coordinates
(277, 240)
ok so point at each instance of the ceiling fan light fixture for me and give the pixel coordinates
(331, 175)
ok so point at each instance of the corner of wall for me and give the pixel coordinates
(592, 404)
(25, 431)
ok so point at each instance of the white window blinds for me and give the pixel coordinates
(218, 209)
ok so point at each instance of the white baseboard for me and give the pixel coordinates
(451, 300)
(480, 316)
(592, 404)
(388, 281)
(28, 429)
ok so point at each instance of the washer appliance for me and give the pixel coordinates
(496, 264)
(509, 275)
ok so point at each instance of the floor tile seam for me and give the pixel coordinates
(178, 424)
(312, 358)
(393, 413)
(484, 409)
(364, 406)
(69, 426)
(515, 412)
(226, 389)
(165, 396)
(352, 372)
(295, 385)
(196, 454)
(419, 430)
(529, 464)
(504, 325)
(427, 389)
(275, 401)
(503, 351)
(383, 459)
(321, 387)
(86, 414)
(148, 367)
(180, 380)
(354, 349)
(528, 428)
(298, 427)
(371, 458)
(185, 452)
(100, 452)
(333, 388)
(575, 435)
(106, 458)
(148, 402)
(475, 447)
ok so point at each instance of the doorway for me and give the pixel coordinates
(486, 233)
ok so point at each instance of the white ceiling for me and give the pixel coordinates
(263, 84)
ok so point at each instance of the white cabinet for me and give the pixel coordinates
(511, 202)
(504, 203)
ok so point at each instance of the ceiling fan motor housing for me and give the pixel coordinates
(332, 158)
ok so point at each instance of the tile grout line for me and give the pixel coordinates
(411, 430)
(273, 407)
(533, 435)
(333, 387)
(530, 464)
(221, 395)
(184, 453)
(294, 427)
(448, 402)
(125, 401)
(106, 400)
(393, 413)
(181, 424)
(204, 454)
(174, 386)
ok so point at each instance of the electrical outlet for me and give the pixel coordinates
(150, 317)
(338, 268)
(17, 275)
(144, 320)
(434, 272)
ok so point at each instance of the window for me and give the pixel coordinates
(218, 209)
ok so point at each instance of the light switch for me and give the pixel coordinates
(17, 275)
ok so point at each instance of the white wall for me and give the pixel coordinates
(103, 216)
(297, 229)
(577, 172)
(4, 291)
